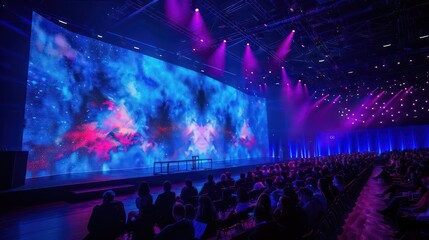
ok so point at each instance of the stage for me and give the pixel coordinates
(84, 186)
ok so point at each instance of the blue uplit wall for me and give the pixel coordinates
(92, 106)
(375, 139)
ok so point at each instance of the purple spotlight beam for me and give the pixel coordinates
(250, 63)
(178, 11)
(198, 27)
(217, 60)
(284, 48)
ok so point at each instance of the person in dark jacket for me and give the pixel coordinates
(292, 217)
(141, 224)
(209, 188)
(189, 193)
(163, 206)
(107, 220)
(182, 229)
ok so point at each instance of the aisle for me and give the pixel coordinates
(364, 222)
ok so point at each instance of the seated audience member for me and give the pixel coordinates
(264, 171)
(292, 217)
(242, 200)
(223, 183)
(107, 220)
(258, 172)
(271, 171)
(224, 197)
(190, 212)
(418, 202)
(413, 183)
(269, 186)
(263, 207)
(164, 205)
(298, 184)
(323, 186)
(414, 219)
(311, 184)
(275, 195)
(310, 204)
(402, 200)
(258, 184)
(221, 187)
(181, 229)
(230, 179)
(324, 172)
(316, 172)
(188, 192)
(141, 224)
(265, 227)
(289, 191)
(209, 188)
(277, 169)
(338, 183)
(241, 180)
(250, 177)
(207, 214)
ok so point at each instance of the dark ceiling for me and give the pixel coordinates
(348, 35)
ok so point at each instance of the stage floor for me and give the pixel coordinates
(90, 177)
(58, 187)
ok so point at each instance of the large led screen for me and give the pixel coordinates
(92, 106)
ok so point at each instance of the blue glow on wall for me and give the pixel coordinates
(377, 139)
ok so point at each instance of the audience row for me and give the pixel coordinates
(284, 198)
(407, 195)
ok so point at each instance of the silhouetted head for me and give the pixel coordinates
(166, 186)
(188, 183)
(143, 189)
(189, 212)
(178, 211)
(210, 178)
(108, 196)
(304, 194)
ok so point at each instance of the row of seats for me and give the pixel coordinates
(331, 223)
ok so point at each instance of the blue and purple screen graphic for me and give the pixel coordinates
(92, 106)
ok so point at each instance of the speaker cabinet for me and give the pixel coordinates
(13, 166)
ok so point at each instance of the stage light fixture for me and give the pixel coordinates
(63, 22)
(197, 10)
(387, 45)
(424, 36)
